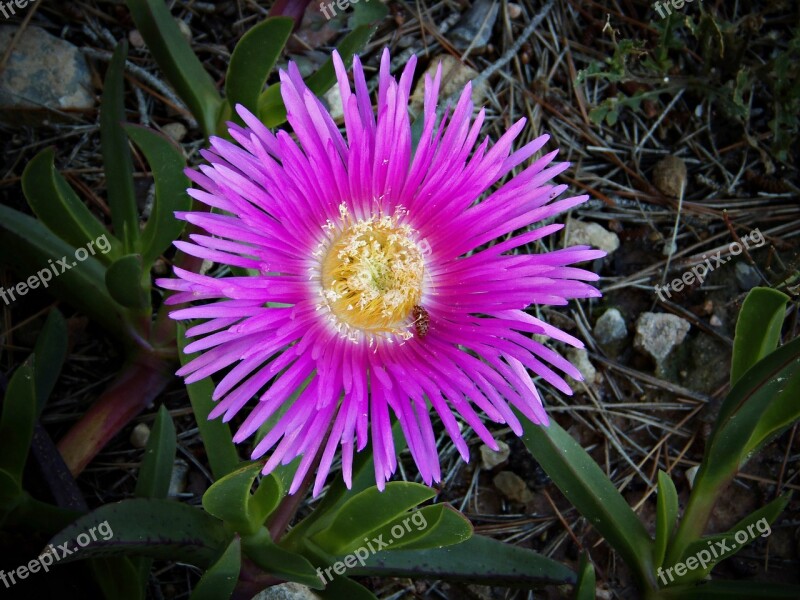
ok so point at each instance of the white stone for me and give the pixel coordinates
(580, 233)
(490, 459)
(658, 333)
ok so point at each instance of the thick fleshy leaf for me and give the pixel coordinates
(167, 163)
(666, 516)
(124, 282)
(230, 499)
(279, 561)
(216, 435)
(50, 351)
(155, 474)
(117, 161)
(10, 493)
(31, 249)
(478, 560)
(588, 489)
(159, 458)
(342, 588)
(17, 420)
(60, 209)
(270, 104)
(367, 13)
(702, 555)
(220, 580)
(758, 329)
(434, 526)
(253, 60)
(369, 511)
(761, 404)
(162, 529)
(176, 59)
(338, 494)
(585, 588)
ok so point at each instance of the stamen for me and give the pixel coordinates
(371, 271)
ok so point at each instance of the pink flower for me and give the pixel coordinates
(378, 287)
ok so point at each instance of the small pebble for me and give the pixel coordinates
(691, 473)
(490, 459)
(514, 10)
(513, 487)
(176, 131)
(185, 29)
(140, 435)
(669, 176)
(136, 39)
(177, 481)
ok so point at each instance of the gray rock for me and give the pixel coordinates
(746, 276)
(176, 131)
(658, 333)
(513, 487)
(580, 359)
(579, 233)
(610, 327)
(286, 591)
(474, 28)
(490, 459)
(43, 72)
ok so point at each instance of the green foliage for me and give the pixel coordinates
(590, 491)
(220, 580)
(230, 499)
(253, 59)
(117, 161)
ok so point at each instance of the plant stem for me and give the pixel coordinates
(135, 387)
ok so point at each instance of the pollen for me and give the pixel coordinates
(372, 272)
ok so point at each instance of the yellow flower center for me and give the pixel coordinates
(371, 274)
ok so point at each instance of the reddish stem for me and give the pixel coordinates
(135, 388)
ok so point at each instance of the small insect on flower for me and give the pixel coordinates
(348, 234)
(421, 320)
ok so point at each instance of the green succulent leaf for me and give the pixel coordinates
(220, 580)
(162, 529)
(279, 561)
(713, 549)
(117, 161)
(159, 458)
(124, 282)
(271, 109)
(216, 435)
(585, 588)
(230, 499)
(758, 329)
(154, 475)
(167, 162)
(500, 564)
(176, 59)
(253, 60)
(60, 209)
(369, 511)
(761, 404)
(588, 489)
(666, 516)
(50, 351)
(17, 420)
(28, 246)
(342, 588)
